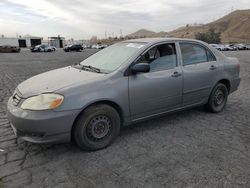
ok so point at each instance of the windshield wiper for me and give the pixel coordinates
(91, 68)
(87, 68)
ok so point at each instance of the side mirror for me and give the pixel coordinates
(140, 67)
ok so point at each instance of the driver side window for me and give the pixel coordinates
(161, 57)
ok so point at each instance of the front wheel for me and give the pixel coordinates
(218, 98)
(97, 127)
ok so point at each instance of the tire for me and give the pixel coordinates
(97, 127)
(217, 99)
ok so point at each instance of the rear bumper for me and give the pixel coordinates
(41, 126)
(235, 84)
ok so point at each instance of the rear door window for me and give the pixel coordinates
(195, 53)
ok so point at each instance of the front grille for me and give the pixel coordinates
(17, 96)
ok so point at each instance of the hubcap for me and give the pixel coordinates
(98, 127)
(218, 97)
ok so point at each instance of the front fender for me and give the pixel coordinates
(113, 89)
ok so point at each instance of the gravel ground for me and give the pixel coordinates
(191, 148)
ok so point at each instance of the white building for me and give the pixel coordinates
(9, 41)
(23, 42)
(58, 42)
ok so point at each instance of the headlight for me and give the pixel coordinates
(43, 102)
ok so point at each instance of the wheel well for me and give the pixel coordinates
(226, 83)
(113, 104)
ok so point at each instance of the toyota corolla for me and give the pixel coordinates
(127, 82)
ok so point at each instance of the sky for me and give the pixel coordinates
(82, 19)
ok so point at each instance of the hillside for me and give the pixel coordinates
(234, 27)
(143, 33)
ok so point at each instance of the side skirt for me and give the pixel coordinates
(161, 113)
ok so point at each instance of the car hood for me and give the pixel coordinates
(54, 80)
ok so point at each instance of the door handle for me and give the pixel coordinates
(212, 67)
(176, 74)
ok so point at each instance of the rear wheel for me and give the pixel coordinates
(218, 98)
(97, 127)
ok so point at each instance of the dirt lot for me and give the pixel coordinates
(191, 148)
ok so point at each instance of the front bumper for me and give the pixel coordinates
(41, 126)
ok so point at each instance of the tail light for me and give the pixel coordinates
(238, 67)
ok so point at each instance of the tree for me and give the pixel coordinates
(210, 37)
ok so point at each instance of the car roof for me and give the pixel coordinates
(156, 40)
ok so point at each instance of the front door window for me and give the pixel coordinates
(161, 57)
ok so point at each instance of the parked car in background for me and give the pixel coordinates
(241, 47)
(9, 49)
(248, 46)
(233, 47)
(53, 48)
(93, 46)
(228, 47)
(99, 46)
(151, 77)
(85, 46)
(103, 46)
(219, 47)
(42, 48)
(73, 47)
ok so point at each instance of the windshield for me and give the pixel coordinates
(112, 57)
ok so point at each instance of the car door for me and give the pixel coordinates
(160, 89)
(200, 70)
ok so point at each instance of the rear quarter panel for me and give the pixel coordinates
(228, 70)
(231, 72)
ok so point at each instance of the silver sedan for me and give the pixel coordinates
(127, 82)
